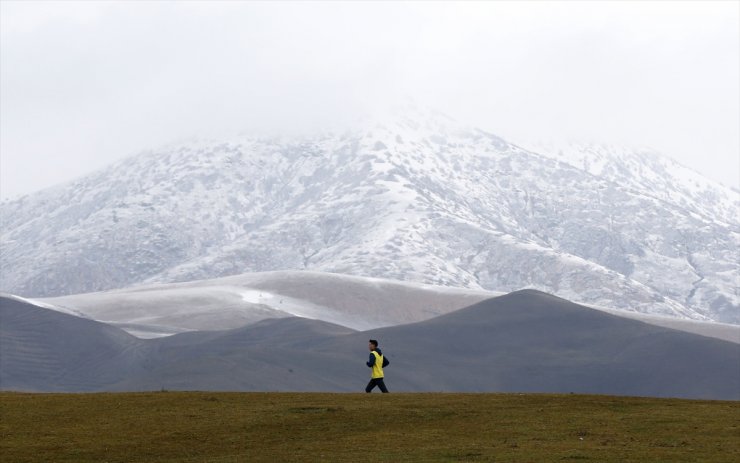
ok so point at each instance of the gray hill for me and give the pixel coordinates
(272, 355)
(44, 350)
(526, 341)
(530, 341)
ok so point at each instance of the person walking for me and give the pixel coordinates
(376, 362)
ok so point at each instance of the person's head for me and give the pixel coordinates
(373, 344)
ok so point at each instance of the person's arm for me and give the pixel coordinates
(371, 361)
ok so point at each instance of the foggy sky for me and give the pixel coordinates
(84, 84)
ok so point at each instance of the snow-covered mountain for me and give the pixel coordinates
(417, 197)
(645, 169)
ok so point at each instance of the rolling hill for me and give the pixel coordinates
(526, 341)
(231, 302)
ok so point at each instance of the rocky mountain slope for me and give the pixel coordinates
(417, 197)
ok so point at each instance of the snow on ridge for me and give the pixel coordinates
(651, 171)
(44, 305)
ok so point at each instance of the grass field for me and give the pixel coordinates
(254, 427)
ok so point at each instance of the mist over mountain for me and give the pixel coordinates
(415, 196)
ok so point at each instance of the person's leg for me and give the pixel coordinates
(370, 386)
(381, 385)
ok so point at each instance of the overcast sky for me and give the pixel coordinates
(84, 84)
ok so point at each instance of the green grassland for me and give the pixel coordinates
(255, 427)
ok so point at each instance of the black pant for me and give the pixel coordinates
(376, 382)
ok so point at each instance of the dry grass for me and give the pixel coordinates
(253, 427)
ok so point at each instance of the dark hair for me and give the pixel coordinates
(374, 342)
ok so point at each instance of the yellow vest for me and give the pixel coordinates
(378, 366)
